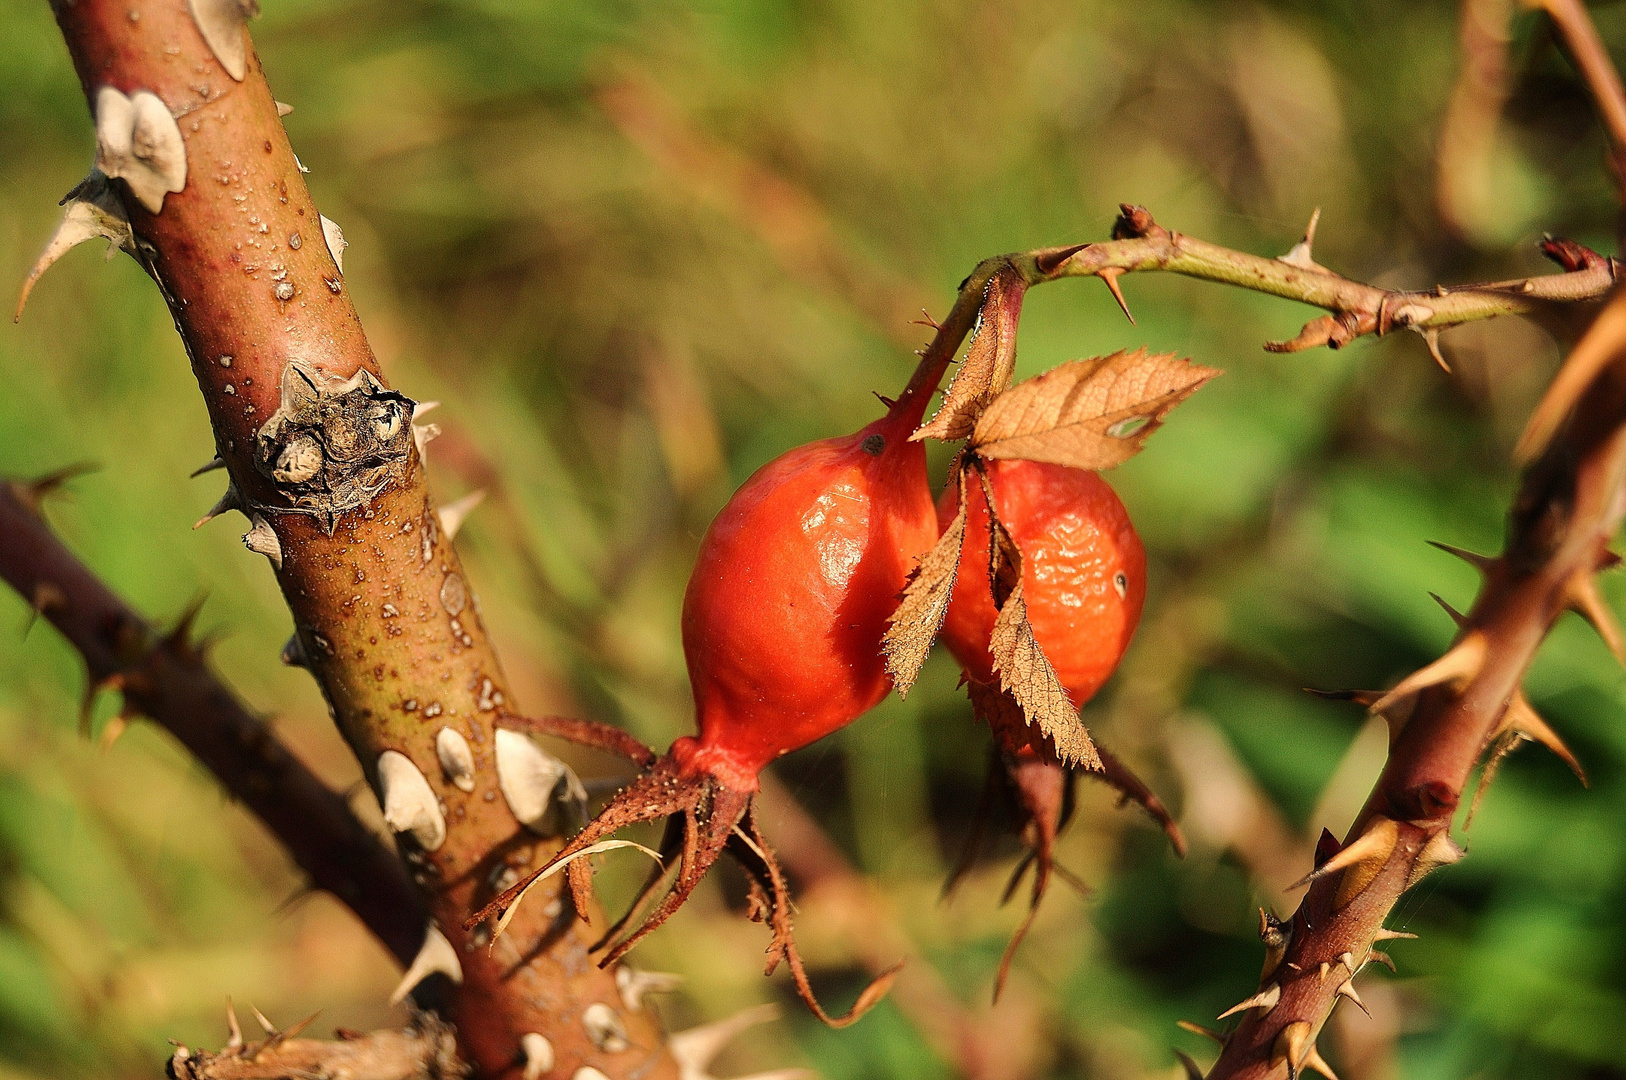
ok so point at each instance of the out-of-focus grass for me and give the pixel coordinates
(620, 338)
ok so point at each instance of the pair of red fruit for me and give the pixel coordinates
(782, 626)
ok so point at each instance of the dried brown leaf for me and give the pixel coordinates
(990, 359)
(1088, 414)
(1025, 671)
(914, 625)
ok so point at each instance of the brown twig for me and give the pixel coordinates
(427, 1050)
(164, 676)
(321, 459)
(1443, 719)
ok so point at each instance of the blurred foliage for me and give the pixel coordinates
(639, 248)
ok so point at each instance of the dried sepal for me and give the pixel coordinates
(138, 141)
(913, 626)
(435, 956)
(990, 359)
(91, 209)
(1088, 414)
(223, 25)
(1026, 672)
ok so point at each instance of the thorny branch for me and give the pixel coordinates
(1468, 705)
(1443, 719)
(165, 676)
(196, 178)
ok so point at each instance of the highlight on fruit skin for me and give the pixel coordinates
(1083, 570)
(782, 625)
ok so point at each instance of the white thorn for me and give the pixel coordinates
(234, 1030)
(422, 408)
(222, 24)
(456, 759)
(1457, 667)
(538, 1054)
(422, 436)
(1347, 989)
(409, 802)
(435, 955)
(587, 1072)
(695, 1048)
(93, 209)
(1265, 999)
(283, 108)
(262, 539)
(604, 1028)
(270, 1028)
(228, 501)
(336, 242)
(534, 782)
(138, 141)
(453, 514)
(293, 652)
(1301, 253)
(634, 984)
(216, 462)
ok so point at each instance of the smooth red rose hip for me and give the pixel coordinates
(782, 628)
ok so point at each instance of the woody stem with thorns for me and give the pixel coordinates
(320, 457)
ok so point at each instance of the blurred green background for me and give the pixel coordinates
(640, 247)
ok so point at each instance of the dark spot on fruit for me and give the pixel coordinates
(873, 445)
(1121, 582)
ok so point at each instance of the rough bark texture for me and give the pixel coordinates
(389, 624)
(163, 677)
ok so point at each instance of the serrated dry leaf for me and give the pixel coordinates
(1025, 671)
(990, 359)
(914, 625)
(1088, 414)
